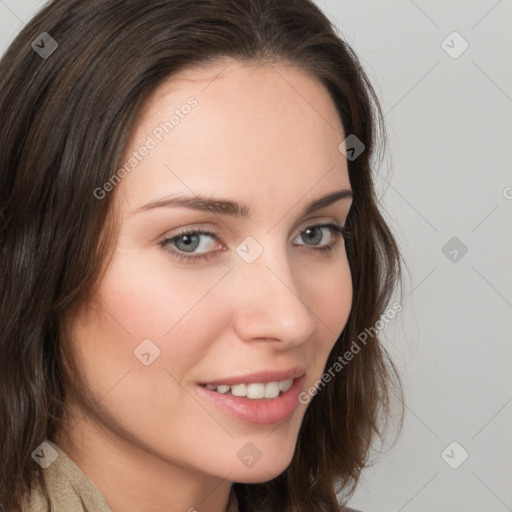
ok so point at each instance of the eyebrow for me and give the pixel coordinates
(232, 208)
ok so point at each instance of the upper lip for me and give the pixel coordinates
(263, 377)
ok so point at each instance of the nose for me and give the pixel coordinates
(268, 304)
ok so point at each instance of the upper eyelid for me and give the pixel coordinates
(305, 225)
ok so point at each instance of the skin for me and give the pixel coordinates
(266, 135)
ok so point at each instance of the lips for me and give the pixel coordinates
(260, 377)
(260, 398)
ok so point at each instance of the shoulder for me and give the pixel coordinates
(36, 501)
(66, 487)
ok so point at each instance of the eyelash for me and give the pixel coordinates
(338, 232)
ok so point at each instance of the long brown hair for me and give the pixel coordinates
(66, 118)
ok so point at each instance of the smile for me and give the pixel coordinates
(254, 390)
(260, 403)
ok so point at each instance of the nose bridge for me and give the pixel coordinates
(269, 304)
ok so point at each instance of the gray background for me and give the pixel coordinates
(446, 175)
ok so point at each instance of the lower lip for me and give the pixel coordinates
(261, 411)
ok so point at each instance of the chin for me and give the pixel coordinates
(262, 470)
(257, 476)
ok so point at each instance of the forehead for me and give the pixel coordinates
(264, 131)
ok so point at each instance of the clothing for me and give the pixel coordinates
(69, 489)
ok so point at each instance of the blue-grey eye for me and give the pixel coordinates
(309, 234)
(187, 243)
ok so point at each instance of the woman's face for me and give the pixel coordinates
(254, 302)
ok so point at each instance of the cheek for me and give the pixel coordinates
(142, 300)
(179, 312)
(331, 295)
(330, 302)
(151, 298)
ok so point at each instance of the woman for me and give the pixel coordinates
(191, 249)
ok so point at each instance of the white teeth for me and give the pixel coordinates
(238, 390)
(272, 390)
(254, 390)
(285, 385)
